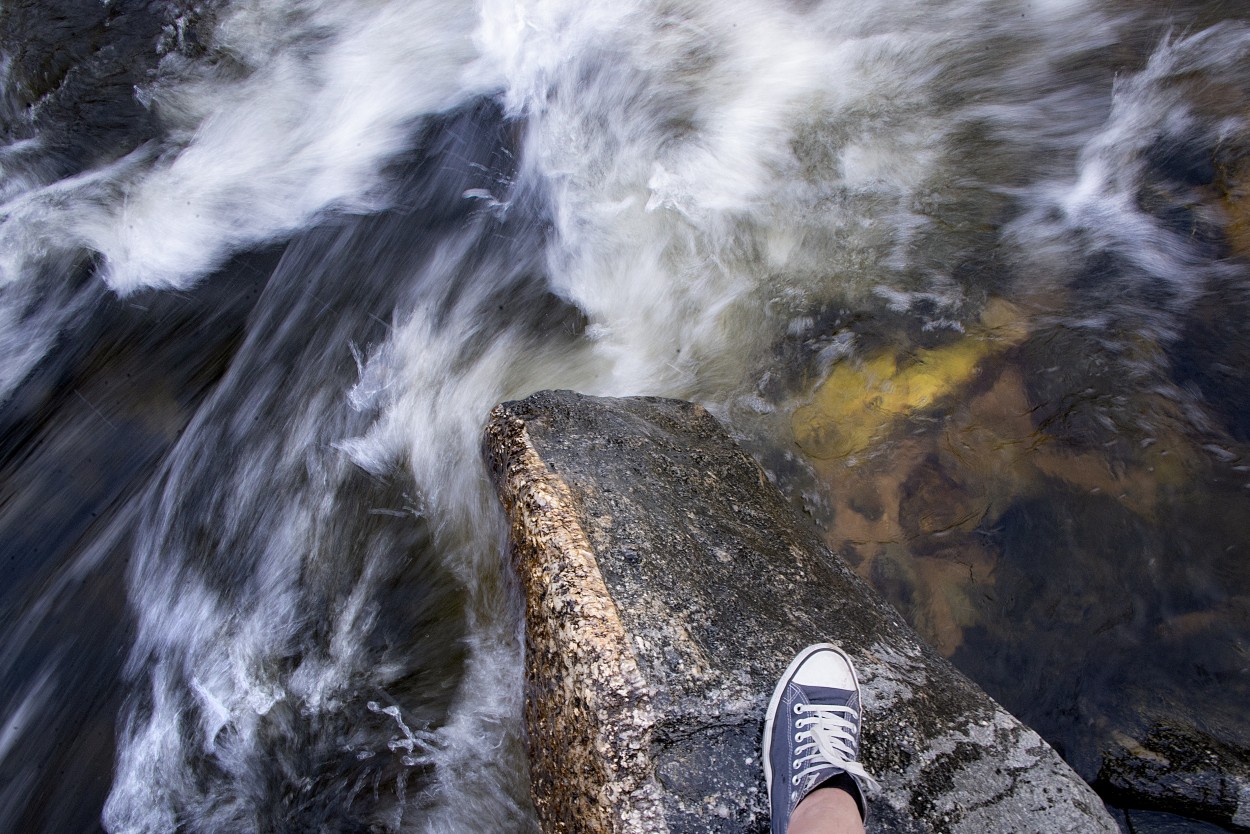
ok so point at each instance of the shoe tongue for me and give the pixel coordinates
(825, 695)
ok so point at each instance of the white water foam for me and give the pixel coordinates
(1097, 208)
(433, 404)
(717, 167)
(302, 106)
(295, 113)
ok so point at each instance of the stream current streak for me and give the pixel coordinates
(265, 267)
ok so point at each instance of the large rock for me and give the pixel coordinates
(667, 585)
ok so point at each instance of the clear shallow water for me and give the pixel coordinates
(267, 267)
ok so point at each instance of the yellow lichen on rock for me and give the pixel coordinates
(860, 400)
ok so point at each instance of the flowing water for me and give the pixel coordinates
(969, 278)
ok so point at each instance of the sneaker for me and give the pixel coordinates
(811, 732)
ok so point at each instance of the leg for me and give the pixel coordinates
(826, 811)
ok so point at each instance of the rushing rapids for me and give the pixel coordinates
(969, 278)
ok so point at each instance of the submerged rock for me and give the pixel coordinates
(667, 585)
(860, 401)
(1181, 770)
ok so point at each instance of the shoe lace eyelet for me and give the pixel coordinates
(795, 781)
(798, 709)
(798, 736)
(796, 767)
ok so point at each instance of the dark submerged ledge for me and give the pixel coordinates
(667, 585)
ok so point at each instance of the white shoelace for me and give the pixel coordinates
(826, 738)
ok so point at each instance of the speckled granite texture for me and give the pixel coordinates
(667, 585)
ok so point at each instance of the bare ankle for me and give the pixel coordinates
(826, 810)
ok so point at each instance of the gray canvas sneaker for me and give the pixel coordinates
(811, 732)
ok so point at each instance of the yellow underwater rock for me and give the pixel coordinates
(861, 400)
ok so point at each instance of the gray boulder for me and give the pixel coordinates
(667, 585)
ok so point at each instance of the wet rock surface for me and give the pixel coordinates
(1184, 771)
(668, 584)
